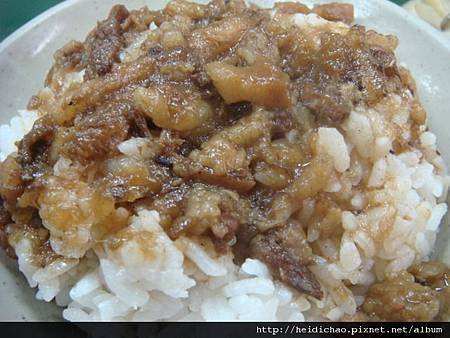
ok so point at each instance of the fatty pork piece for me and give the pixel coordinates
(401, 298)
(312, 180)
(11, 183)
(206, 210)
(335, 12)
(223, 160)
(210, 42)
(173, 107)
(69, 208)
(95, 91)
(94, 136)
(190, 9)
(128, 179)
(343, 70)
(331, 12)
(435, 275)
(260, 83)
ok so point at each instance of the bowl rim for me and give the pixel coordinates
(28, 26)
(426, 29)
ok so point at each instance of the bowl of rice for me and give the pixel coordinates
(224, 161)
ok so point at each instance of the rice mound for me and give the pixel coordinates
(182, 281)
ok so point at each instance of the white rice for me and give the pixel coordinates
(14, 131)
(180, 280)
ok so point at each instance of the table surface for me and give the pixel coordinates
(15, 13)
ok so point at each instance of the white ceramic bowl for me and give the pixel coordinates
(26, 56)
